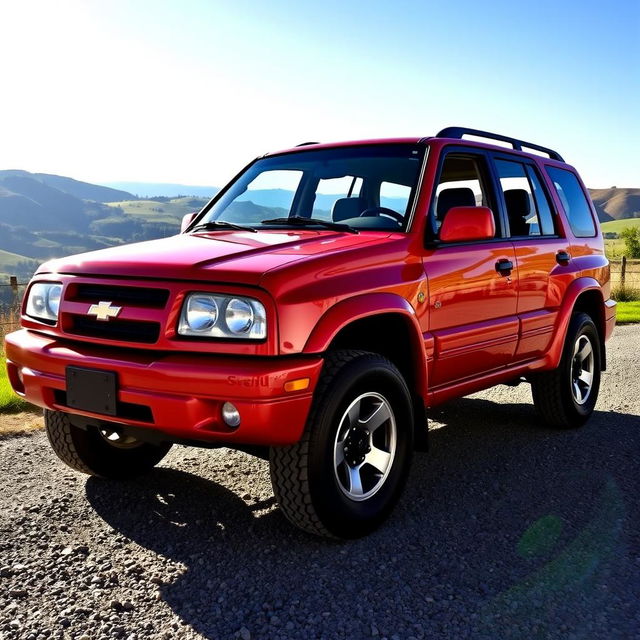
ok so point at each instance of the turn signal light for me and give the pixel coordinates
(297, 385)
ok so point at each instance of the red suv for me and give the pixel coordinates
(314, 308)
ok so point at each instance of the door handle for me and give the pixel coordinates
(563, 258)
(504, 267)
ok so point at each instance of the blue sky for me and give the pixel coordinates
(189, 91)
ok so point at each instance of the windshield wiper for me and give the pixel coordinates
(216, 224)
(298, 221)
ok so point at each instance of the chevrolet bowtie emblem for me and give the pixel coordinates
(103, 311)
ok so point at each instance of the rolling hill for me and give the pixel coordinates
(616, 204)
(45, 216)
(75, 188)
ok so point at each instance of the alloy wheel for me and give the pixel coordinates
(365, 446)
(582, 369)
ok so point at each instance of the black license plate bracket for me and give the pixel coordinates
(92, 390)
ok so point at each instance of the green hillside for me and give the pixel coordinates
(170, 211)
(615, 246)
(616, 226)
(12, 264)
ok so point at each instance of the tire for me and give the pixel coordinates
(564, 397)
(328, 497)
(99, 452)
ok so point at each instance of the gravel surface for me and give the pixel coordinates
(506, 530)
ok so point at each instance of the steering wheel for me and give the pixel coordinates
(384, 211)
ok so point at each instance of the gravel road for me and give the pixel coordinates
(506, 530)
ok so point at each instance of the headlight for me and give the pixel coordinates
(238, 316)
(219, 316)
(201, 313)
(43, 302)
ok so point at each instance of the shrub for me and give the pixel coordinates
(632, 242)
(625, 294)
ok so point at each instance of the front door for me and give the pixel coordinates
(473, 286)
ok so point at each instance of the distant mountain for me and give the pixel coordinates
(167, 189)
(26, 200)
(616, 204)
(75, 188)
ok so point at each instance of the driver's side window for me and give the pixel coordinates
(461, 184)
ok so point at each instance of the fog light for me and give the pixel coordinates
(15, 377)
(230, 414)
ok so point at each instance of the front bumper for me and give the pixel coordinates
(178, 394)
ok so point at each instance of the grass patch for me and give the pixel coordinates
(614, 248)
(9, 401)
(15, 424)
(628, 312)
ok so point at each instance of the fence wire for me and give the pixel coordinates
(631, 274)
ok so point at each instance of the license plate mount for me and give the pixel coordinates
(92, 390)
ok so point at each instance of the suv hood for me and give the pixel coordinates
(219, 256)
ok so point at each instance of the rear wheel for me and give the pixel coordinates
(566, 396)
(345, 475)
(103, 452)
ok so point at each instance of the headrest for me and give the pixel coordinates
(344, 208)
(456, 197)
(518, 203)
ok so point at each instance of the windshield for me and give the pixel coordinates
(367, 187)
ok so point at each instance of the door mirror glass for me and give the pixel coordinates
(463, 224)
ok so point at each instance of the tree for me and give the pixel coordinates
(632, 241)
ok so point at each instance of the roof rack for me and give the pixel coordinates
(458, 132)
(304, 144)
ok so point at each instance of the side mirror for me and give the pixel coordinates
(467, 223)
(186, 221)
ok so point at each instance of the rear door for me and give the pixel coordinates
(542, 255)
(472, 285)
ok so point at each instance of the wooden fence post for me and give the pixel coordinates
(13, 282)
(623, 272)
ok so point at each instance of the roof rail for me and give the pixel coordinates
(304, 144)
(458, 132)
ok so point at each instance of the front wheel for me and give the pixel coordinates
(345, 475)
(101, 452)
(566, 396)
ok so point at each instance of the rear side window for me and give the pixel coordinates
(518, 199)
(526, 204)
(542, 203)
(574, 202)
